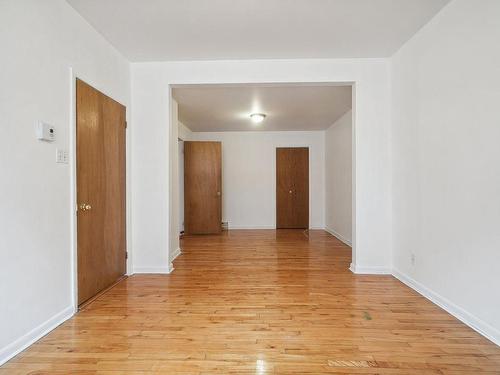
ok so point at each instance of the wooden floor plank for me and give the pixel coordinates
(260, 302)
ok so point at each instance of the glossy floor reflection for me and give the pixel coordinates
(260, 302)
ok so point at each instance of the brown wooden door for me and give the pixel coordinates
(100, 169)
(202, 187)
(292, 187)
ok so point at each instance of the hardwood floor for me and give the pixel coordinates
(260, 302)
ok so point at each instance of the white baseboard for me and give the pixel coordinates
(230, 227)
(475, 323)
(159, 270)
(35, 334)
(339, 236)
(176, 253)
(364, 270)
(256, 227)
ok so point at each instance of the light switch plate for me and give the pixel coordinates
(62, 156)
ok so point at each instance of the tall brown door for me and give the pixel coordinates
(292, 187)
(100, 169)
(202, 187)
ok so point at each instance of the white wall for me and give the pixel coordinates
(446, 158)
(151, 120)
(249, 175)
(40, 41)
(338, 178)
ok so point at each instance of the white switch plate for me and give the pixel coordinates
(62, 156)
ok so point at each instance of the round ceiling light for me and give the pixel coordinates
(257, 117)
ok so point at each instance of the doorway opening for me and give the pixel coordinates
(259, 188)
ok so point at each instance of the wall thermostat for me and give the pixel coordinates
(45, 132)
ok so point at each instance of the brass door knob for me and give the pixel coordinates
(85, 207)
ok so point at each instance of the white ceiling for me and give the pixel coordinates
(156, 30)
(288, 107)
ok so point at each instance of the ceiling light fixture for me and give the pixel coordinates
(257, 117)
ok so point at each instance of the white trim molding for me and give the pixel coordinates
(35, 334)
(175, 254)
(273, 227)
(370, 270)
(157, 270)
(338, 236)
(250, 227)
(316, 227)
(465, 317)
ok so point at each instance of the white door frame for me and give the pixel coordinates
(171, 213)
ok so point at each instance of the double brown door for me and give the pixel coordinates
(292, 187)
(202, 187)
(100, 164)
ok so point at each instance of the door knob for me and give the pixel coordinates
(290, 192)
(85, 207)
(218, 193)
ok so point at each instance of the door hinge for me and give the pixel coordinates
(126, 125)
(126, 254)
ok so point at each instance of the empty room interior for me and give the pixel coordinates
(250, 187)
